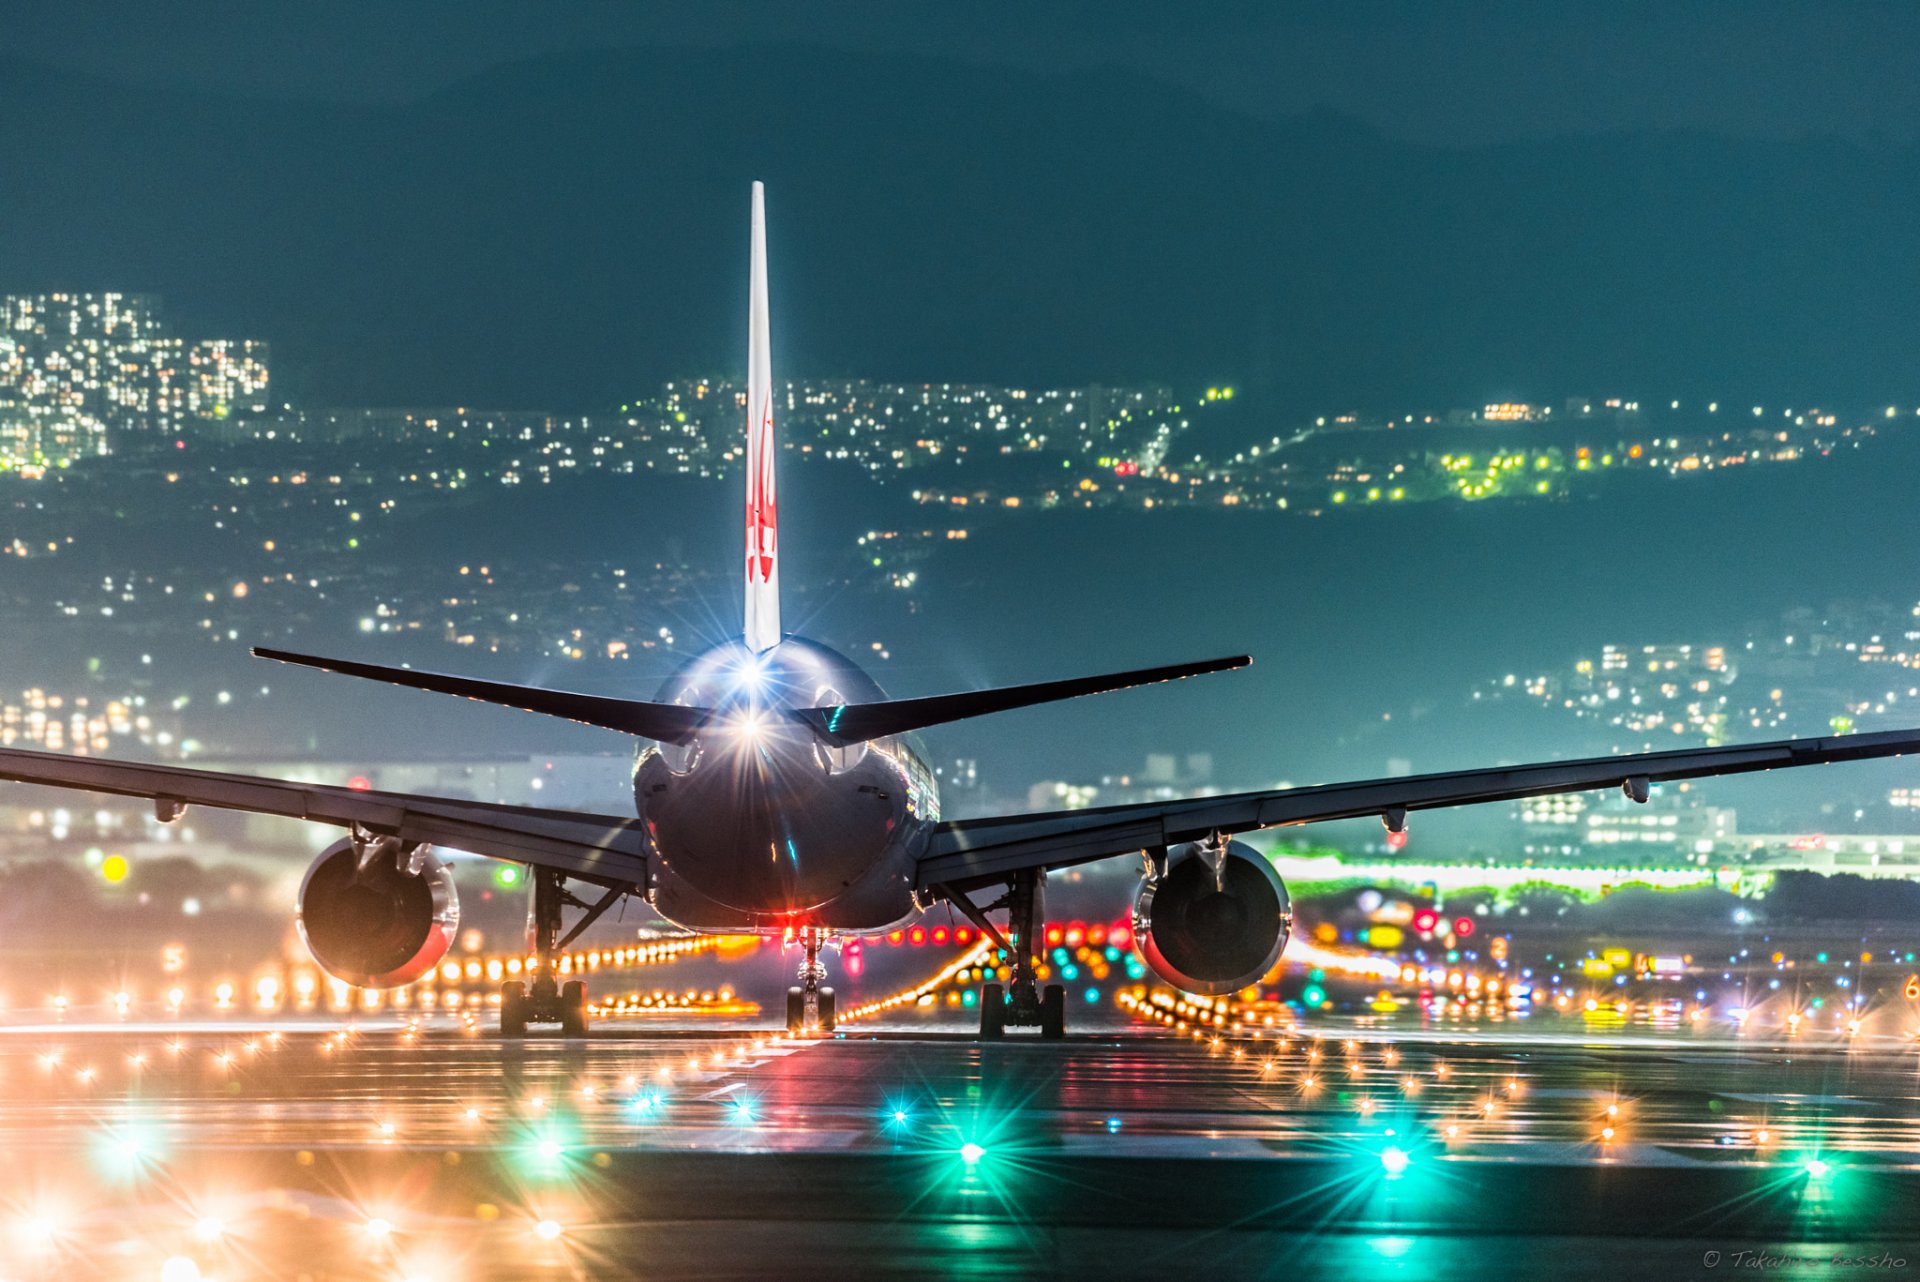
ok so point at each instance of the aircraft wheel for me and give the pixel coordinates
(513, 1009)
(993, 1010)
(1053, 1012)
(573, 1009)
(826, 1010)
(796, 1012)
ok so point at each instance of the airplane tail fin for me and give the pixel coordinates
(763, 531)
(849, 723)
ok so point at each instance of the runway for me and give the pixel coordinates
(291, 1149)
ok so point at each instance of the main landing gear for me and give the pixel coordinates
(1022, 1002)
(810, 1004)
(547, 1000)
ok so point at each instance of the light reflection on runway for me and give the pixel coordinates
(311, 1131)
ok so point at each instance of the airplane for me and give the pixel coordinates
(778, 790)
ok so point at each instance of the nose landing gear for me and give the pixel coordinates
(810, 1004)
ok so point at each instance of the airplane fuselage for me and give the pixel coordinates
(761, 824)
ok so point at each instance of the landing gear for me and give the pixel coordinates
(513, 1009)
(993, 1010)
(1053, 1012)
(810, 1005)
(1023, 1003)
(547, 1001)
(573, 1009)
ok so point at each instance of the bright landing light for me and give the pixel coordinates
(1394, 1161)
(971, 1153)
(1818, 1169)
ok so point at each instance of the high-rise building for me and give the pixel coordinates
(211, 379)
(77, 370)
(73, 366)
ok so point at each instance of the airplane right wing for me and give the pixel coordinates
(602, 849)
(971, 853)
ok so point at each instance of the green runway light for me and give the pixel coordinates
(507, 875)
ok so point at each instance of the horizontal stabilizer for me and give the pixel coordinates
(667, 722)
(857, 722)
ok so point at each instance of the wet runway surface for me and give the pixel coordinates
(380, 1151)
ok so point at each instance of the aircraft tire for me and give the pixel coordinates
(993, 1011)
(513, 1009)
(1053, 1012)
(573, 1009)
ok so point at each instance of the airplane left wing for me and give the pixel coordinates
(603, 849)
(970, 853)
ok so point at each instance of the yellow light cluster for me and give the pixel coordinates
(723, 1002)
(972, 957)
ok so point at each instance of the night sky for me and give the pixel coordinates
(1455, 73)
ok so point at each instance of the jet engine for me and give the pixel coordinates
(379, 916)
(1214, 921)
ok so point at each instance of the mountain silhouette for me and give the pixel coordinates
(569, 231)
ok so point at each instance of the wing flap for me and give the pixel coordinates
(967, 853)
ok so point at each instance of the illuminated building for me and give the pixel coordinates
(77, 370)
(73, 366)
(1667, 827)
(212, 378)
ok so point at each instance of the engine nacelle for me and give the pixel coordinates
(383, 925)
(1208, 931)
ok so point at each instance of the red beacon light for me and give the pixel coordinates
(1463, 926)
(1425, 920)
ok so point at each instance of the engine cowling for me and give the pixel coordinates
(383, 925)
(1213, 933)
